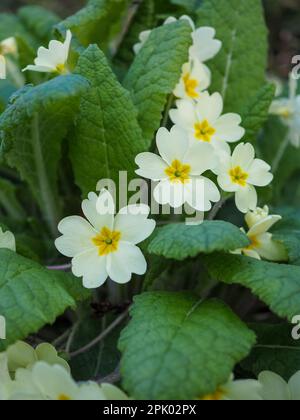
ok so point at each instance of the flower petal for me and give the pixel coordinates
(134, 228)
(185, 114)
(246, 199)
(99, 210)
(243, 156)
(228, 128)
(274, 388)
(201, 157)
(126, 261)
(167, 192)
(260, 174)
(172, 144)
(151, 166)
(92, 267)
(77, 236)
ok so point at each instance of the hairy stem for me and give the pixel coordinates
(281, 151)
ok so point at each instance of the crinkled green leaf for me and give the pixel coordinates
(95, 23)
(257, 111)
(239, 68)
(107, 137)
(33, 127)
(177, 347)
(278, 285)
(155, 72)
(31, 296)
(179, 241)
(276, 351)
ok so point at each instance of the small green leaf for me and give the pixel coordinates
(276, 351)
(31, 296)
(239, 68)
(107, 137)
(278, 285)
(179, 241)
(177, 347)
(155, 73)
(33, 127)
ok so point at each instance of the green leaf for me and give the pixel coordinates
(178, 348)
(38, 21)
(276, 351)
(257, 111)
(96, 22)
(9, 201)
(277, 285)
(155, 73)
(107, 137)
(102, 359)
(179, 241)
(33, 127)
(190, 5)
(143, 20)
(31, 296)
(287, 231)
(243, 48)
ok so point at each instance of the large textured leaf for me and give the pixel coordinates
(33, 127)
(239, 68)
(276, 351)
(179, 241)
(95, 22)
(257, 111)
(107, 137)
(177, 347)
(277, 285)
(31, 296)
(156, 71)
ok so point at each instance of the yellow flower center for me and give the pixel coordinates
(190, 86)
(238, 176)
(64, 397)
(285, 112)
(204, 131)
(217, 396)
(61, 69)
(107, 241)
(254, 243)
(178, 172)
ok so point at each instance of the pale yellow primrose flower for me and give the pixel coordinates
(7, 46)
(275, 388)
(204, 46)
(240, 173)
(262, 244)
(54, 383)
(22, 355)
(204, 122)
(6, 382)
(195, 78)
(54, 58)
(7, 240)
(288, 109)
(105, 245)
(179, 170)
(241, 390)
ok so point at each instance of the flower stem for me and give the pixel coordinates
(167, 110)
(281, 151)
(65, 267)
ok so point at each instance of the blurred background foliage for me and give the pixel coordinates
(283, 17)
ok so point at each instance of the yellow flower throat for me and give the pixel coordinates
(204, 131)
(107, 241)
(190, 86)
(238, 176)
(178, 172)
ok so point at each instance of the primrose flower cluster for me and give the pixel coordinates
(200, 140)
(40, 374)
